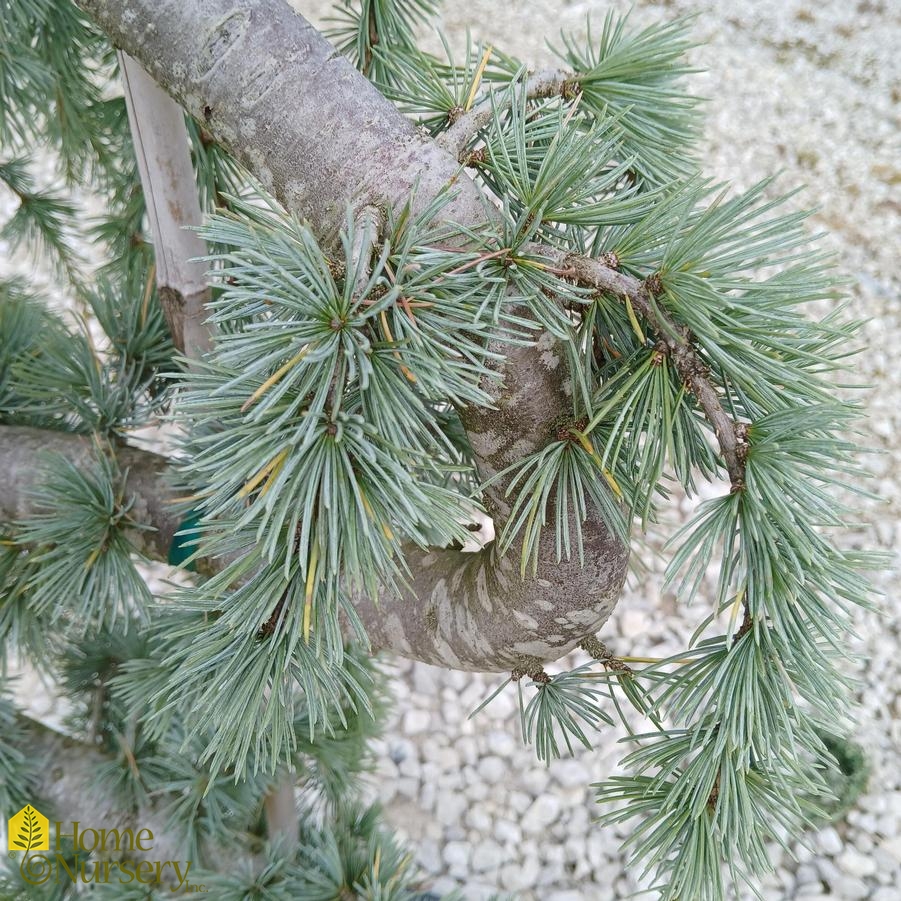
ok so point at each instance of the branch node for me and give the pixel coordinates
(610, 259)
(654, 285)
(714, 795)
(474, 158)
(531, 667)
(570, 89)
(596, 648)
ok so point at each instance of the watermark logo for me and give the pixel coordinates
(28, 830)
(76, 854)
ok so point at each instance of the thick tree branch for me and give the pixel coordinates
(275, 94)
(278, 96)
(467, 611)
(160, 141)
(475, 612)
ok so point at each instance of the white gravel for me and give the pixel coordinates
(811, 90)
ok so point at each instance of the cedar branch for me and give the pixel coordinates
(544, 84)
(674, 339)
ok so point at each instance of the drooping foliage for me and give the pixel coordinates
(320, 441)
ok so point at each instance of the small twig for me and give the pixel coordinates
(596, 649)
(373, 41)
(98, 699)
(673, 339)
(468, 123)
(714, 795)
(746, 624)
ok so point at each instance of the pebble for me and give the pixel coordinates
(847, 887)
(409, 788)
(892, 846)
(410, 767)
(488, 855)
(632, 623)
(426, 679)
(416, 721)
(854, 863)
(492, 769)
(444, 885)
(508, 832)
(886, 893)
(445, 758)
(503, 744)
(543, 812)
(477, 818)
(518, 877)
(457, 857)
(429, 855)
(467, 750)
(519, 801)
(536, 780)
(571, 774)
(449, 807)
(829, 841)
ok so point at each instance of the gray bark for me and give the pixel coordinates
(284, 102)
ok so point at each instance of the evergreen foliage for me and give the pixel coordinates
(320, 444)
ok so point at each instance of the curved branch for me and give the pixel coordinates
(474, 611)
(464, 611)
(674, 340)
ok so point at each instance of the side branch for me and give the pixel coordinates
(674, 340)
(547, 83)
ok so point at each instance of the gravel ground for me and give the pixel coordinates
(810, 90)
